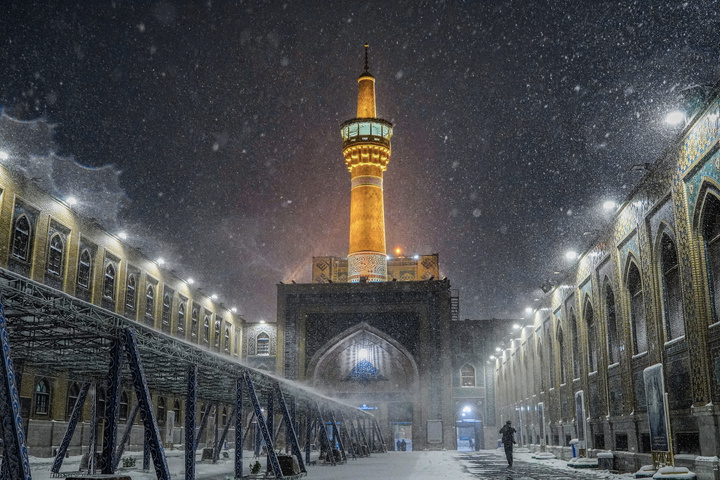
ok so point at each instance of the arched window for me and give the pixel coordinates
(55, 255)
(711, 236)
(194, 323)
(262, 342)
(611, 317)
(206, 329)
(561, 352)
(227, 340)
(73, 394)
(161, 411)
(216, 340)
(671, 290)
(166, 312)
(467, 375)
(21, 238)
(637, 310)
(130, 294)
(109, 282)
(84, 266)
(575, 339)
(150, 302)
(42, 397)
(592, 336)
(176, 409)
(181, 319)
(123, 406)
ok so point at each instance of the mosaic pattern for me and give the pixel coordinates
(629, 246)
(699, 139)
(369, 180)
(254, 331)
(373, 266)
(693, 186)
(690, 269)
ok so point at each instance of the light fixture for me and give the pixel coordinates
(190, 281)
(416, 257)
(4, 155)
(71, 201)
(213, 296)
(528, 310)
(492, 357)
(498, 349)
(609, 205)
(160, 261)
(262, 321)
(122, 236)
(571, 255)
(233, 310)
(516, 327)
(674, 117)
(398, 250)
(387, 257)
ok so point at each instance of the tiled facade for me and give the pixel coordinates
(647, 292)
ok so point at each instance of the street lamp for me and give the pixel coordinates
(675, 117)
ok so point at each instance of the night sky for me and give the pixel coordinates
(514, 121)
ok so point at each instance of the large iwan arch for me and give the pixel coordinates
(363, 360)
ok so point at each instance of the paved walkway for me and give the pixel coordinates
(492, 465)
(420, 465)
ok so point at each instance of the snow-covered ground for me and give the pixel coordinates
(418, 465)
(393, 465)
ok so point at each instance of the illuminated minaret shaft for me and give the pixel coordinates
(366, 148)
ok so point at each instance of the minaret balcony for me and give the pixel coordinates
(366, 130)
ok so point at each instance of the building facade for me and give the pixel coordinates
(43, 239)
(646, 293)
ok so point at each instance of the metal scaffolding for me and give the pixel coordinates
(67, 337)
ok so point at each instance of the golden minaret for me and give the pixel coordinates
(366, 148)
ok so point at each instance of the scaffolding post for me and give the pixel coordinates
(152, 433)
(347, 435)
(272, 456)
(221, 441)
(203, 423)
(70, 430)
(376, 427)
(239, 437)
(190, 405)
(112, 400)
(126, 435)
(289, 424)
(92, 441)
(336, 434)
(361, 430)
(324, 435)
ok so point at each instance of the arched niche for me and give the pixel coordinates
(363, 359)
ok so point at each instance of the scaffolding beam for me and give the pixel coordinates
(152, 433)
(16, 462)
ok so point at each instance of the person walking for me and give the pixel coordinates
(508, 440)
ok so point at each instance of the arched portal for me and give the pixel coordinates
(469, 428)
(363, 359)
(372, 370)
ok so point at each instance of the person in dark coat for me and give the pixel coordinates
(508, 440)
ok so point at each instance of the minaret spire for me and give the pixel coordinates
(367, 68)
(366, 148)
